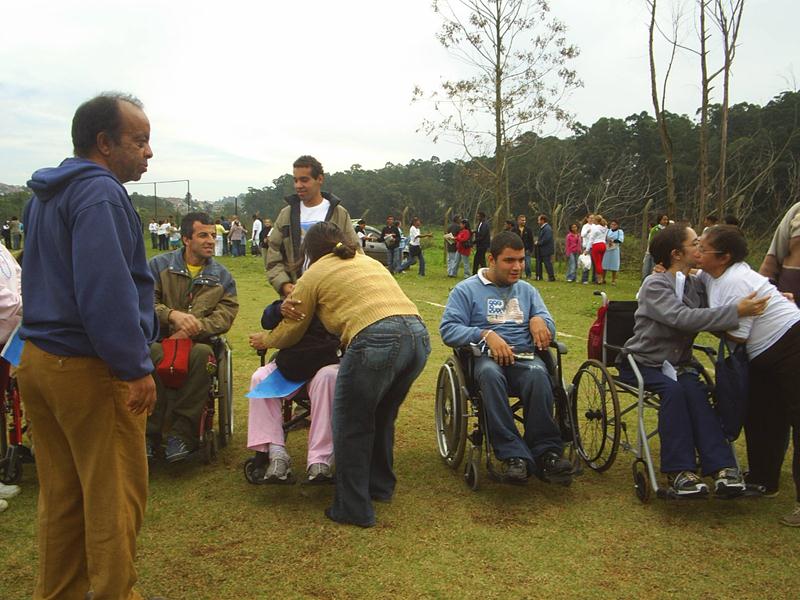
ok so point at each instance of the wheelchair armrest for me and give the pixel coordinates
(560, 347)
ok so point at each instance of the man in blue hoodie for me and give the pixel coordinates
(85, 370)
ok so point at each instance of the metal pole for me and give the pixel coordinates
(155, 202)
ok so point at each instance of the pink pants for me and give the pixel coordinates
(265, 420)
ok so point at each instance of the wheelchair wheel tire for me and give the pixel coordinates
(640, 483)
(252, 473)
(596, 415)
(451, 413)
(225, 391)
(471, 475)
(11, 472)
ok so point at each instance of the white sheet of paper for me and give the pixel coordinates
(668, 370)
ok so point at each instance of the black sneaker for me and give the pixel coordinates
(176, 450)
(553, 466)
(514, 470)
(687, 483)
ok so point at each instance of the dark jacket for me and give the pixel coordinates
(483, 236)
(284, 239)
(391, 242)
(546, 243)
(211, 296)
(316, 349)
(527, 238)
(453, 228)
(87, 288)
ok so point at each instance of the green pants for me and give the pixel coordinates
(180, 410)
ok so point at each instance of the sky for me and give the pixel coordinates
(236, 90)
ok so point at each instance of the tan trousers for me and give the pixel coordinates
(92, 469)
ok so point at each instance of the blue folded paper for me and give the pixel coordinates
(274, 385)
(12, 351)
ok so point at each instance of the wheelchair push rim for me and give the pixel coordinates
(451, 413)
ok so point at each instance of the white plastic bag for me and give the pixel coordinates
(584, 262)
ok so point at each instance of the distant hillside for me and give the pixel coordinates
(6, 188)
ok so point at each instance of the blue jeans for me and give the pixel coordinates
(686, 420)
(414, 253)
(395, 256)
(529, 381)
(527, 264)
(572, 266)
(464, 260)
(375, 374)
(452, 263)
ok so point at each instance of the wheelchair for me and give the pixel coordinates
(599, 417)
(219, 403)
(296, 413)
(460, 415)
(13, 427)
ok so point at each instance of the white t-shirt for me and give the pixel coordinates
(256, 229)
(153, 227)
(313, 215)
(763, 331)
(163, 229)
(585, 236)
(413, 236)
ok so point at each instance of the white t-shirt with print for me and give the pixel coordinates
(313, 215)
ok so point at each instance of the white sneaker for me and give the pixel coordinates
(279, 470)
(3, 505)
(319, 473)
(8, 491)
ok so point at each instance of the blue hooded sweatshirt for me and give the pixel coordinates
(87, 286)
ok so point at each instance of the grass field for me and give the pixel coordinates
(208, 534)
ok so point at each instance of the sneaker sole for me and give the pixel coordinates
(288, 479)
(176, 457)
(722, 490)
(789, 522)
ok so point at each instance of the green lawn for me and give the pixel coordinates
(209, 534)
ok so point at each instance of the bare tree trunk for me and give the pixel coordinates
(666, 141)
(729, 27)
(702, 162)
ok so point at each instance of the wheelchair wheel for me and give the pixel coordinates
(225, 390)
(451, 413)
(210, 447)
(254, 468)
(640, 483)
(471, 474)
(11, 470)
(596, 418)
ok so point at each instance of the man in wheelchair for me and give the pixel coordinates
(195, 299)
(509, 321)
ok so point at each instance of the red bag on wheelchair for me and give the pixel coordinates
(594, 345)
(174, 367)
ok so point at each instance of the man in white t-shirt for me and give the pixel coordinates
(414, 247)
(256, 237)
(153, 229)
(309, 205)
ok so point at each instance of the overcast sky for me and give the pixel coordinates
(236, 90)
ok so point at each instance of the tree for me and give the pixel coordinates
(520, 59)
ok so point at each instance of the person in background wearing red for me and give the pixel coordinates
(572, 249)
(464, 247)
